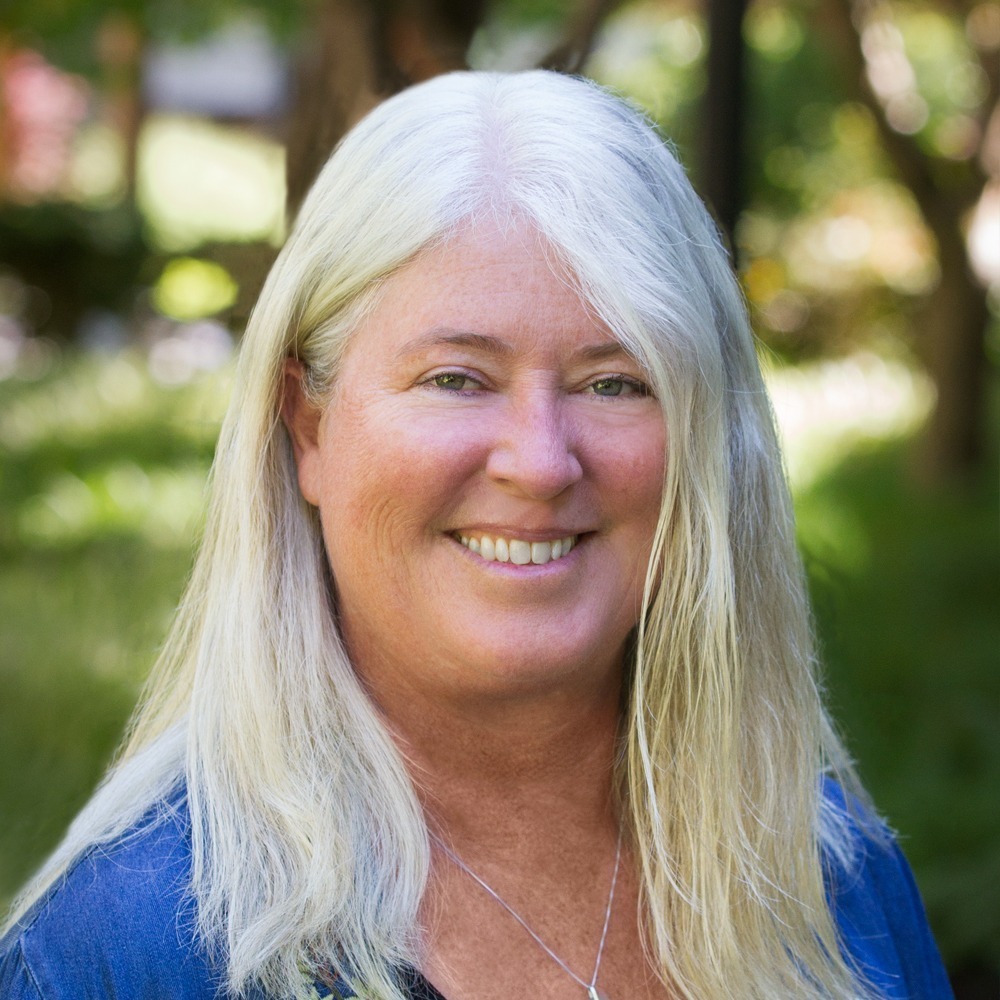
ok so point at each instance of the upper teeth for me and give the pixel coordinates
(517, 551)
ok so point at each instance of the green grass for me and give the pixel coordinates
(100, 486)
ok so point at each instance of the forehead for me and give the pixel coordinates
(504, 283)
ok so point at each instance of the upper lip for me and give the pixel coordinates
(523, 534)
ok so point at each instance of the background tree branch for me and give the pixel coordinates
(581, 32)
(951, 325)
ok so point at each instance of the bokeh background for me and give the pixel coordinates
(150, 153)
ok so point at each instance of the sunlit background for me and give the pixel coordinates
(142, 197)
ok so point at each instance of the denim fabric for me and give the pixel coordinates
(882, 922)
(120, 926)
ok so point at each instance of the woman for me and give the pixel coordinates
(494, 676)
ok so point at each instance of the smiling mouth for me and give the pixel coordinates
(517, 551)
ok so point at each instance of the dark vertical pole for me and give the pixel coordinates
(722, 170)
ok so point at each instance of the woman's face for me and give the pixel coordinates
(480, 406)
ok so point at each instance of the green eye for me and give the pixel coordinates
(609, 387)
(452, 381)
(618, 385)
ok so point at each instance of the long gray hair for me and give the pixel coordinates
(310, 847)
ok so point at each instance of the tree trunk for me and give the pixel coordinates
(951, 328)
(5, 136)
(120, 48)
(362, 52)
(722, 173)
(951, 325)
(337, 82)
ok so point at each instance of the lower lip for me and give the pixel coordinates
(525, 569)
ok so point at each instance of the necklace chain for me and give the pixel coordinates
(590, 987)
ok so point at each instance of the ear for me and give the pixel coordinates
(302, 419)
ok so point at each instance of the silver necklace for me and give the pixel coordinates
(590, 987)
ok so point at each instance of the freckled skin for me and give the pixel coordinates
(472, 400)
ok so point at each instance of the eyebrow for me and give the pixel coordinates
(456, 338)
(495, 346)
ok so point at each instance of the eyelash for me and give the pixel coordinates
(638, 387)
(431, 382)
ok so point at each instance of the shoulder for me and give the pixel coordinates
(878, 910)
(119, 924)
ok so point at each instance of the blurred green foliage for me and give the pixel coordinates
(101, 491)
(65, 30)
(71, 260)
(906, 588)
(832, 248)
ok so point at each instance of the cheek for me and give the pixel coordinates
(646, 475)
(633, 468)
(389, 472)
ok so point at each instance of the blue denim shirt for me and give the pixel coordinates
(120, 926)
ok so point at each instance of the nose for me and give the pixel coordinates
(535, 452)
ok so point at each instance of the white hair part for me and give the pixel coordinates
(310, 846)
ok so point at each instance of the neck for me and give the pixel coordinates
(500, 770)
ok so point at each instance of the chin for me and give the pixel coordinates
(539, 668)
